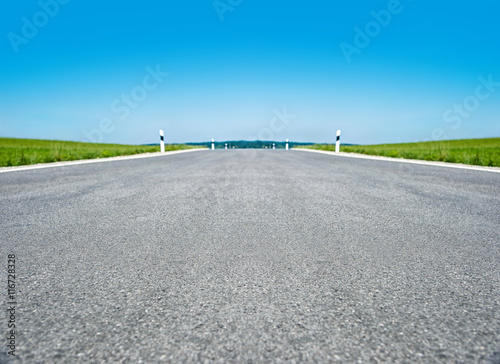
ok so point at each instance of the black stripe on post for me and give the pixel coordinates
(161, 137)
(338, 137)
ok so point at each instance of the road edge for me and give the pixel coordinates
(401, 160)
(97, 160)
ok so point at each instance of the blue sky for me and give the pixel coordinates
(382, 71)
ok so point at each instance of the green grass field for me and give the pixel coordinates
(481, 152)
(19, 152)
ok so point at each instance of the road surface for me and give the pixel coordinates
(253, 256)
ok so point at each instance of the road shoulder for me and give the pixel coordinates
(401, 160)
(98, 160)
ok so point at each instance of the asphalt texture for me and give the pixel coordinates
(253, 256)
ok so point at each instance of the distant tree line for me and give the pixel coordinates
(241, 144)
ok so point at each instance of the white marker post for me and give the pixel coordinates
(287, 144)
(274, 146)
(337, 145)
(226, 145)
(162, 142)
(213, 144)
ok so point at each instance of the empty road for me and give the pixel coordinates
(252, 256)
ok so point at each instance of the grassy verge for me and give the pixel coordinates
(19, 152)
(481, 152)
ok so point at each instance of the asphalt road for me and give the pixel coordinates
(253, 257)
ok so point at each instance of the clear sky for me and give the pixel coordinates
(382, 71)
